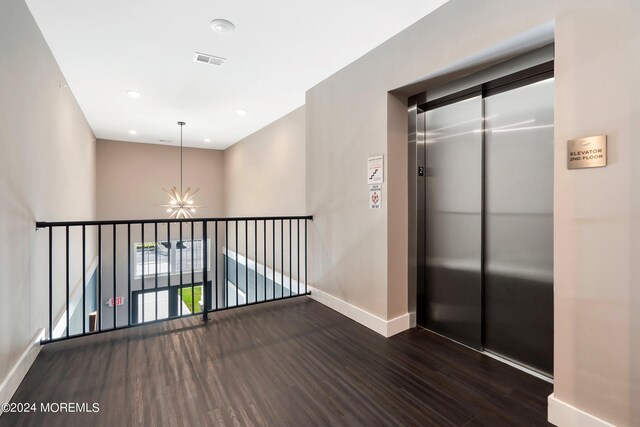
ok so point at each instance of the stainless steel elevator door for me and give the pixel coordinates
(518, 275)
(453, 151)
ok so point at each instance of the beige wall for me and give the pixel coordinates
(130, 178)
(47, 173)
(360, 255)
(264, 174)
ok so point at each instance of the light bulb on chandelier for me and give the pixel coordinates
(181, 204)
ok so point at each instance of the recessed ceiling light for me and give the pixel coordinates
(133, 94)
(241, 112)
(222, 26)
(133, 132)
(207, 140)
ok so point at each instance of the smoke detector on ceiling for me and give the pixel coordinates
(222, 26)
(205, 58)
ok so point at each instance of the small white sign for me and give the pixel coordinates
(375, 196)
(375, 170)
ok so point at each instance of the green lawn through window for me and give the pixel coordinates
(187, 297)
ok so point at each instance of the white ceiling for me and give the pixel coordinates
(280, 49)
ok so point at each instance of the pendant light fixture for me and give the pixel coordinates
(181, 204)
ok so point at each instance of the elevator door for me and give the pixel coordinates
(518, 279)
(489, 222)
(453, 149)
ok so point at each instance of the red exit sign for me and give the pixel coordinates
(117, 301)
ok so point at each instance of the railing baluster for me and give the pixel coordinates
(143, 265)
(170, 246)
(290, 261)
(298, 258)
(180, 247)
(281, 258)
(246, 262)
(193, 295)
(67, 276)
(264, 257)
(273, 264)
(50, 283)
(305, 256)
(129, 274)
(155, 254)
(100, 277)
(84, 279)
(225, 284)
(115, 275)
(205, 267)
(215, 256)
(255, 260)
(237, 252)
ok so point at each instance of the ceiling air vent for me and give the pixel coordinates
(208, 59)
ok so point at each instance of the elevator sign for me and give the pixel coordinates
(590, 152)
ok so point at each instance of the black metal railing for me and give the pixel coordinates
(110, 275)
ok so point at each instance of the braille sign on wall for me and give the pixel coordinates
(375, 170)
(375, 196)
(589, 152)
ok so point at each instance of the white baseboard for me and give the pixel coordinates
(562, 414)
(397, 325)
(20, 369)
(385, 328)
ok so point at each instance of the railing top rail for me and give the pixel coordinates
(44, 224)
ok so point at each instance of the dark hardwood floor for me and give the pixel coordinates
(288, 363)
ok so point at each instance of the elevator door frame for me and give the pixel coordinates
(418, 106)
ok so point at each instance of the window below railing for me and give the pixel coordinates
(168, 257)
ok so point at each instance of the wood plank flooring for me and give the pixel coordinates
(288, 363)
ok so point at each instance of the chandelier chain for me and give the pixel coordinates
(181, 203)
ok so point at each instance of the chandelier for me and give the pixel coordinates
(181, 203)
